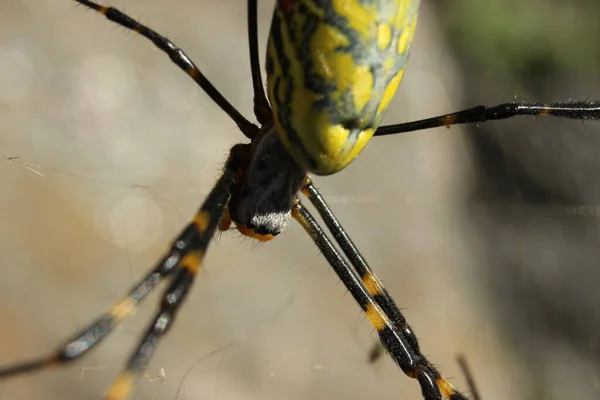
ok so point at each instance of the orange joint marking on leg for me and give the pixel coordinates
(372, 284)
(544, 110)
(376, 317)
(192, 261)
(122, 309)
(225, 221)
(449, 120)
(244, 230)
(122, 387)
(103, 10)
(54, 361)
(305, 184)
(201, 221)
(445, 387)
(298, 217)
(192, 72)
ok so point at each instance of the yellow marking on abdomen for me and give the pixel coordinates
(362, 87)
(406, 37)
(384, 35)
(390, 92)
(376, 317)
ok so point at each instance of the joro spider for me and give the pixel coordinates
(332, 70)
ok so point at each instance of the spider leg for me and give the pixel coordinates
(583, 110)
(464, 366)
(192, 244)
(368, 277)
(90, 336)
(412, 363)
(181, 264)
(262, 109)
(178, 57)
(373, 284)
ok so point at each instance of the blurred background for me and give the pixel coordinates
(486, 236)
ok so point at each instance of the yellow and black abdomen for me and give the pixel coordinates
(333, 66)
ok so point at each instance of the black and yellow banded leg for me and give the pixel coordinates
(368, 277)
(187, 268)
(178, 57)
(180, 265)
(583, 110)
(192, 244)
(433, 386)
(90, 336)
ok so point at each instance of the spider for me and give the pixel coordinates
(259, 185)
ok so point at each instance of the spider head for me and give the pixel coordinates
(265, 187)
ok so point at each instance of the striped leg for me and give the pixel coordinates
(371, 282)
(394, 332)
(178, 57)
(583, 110)
(180, 265)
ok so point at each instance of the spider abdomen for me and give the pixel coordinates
(333, 66)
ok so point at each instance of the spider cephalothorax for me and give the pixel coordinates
(265, 186)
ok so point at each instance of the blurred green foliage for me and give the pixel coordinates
(521, 38)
